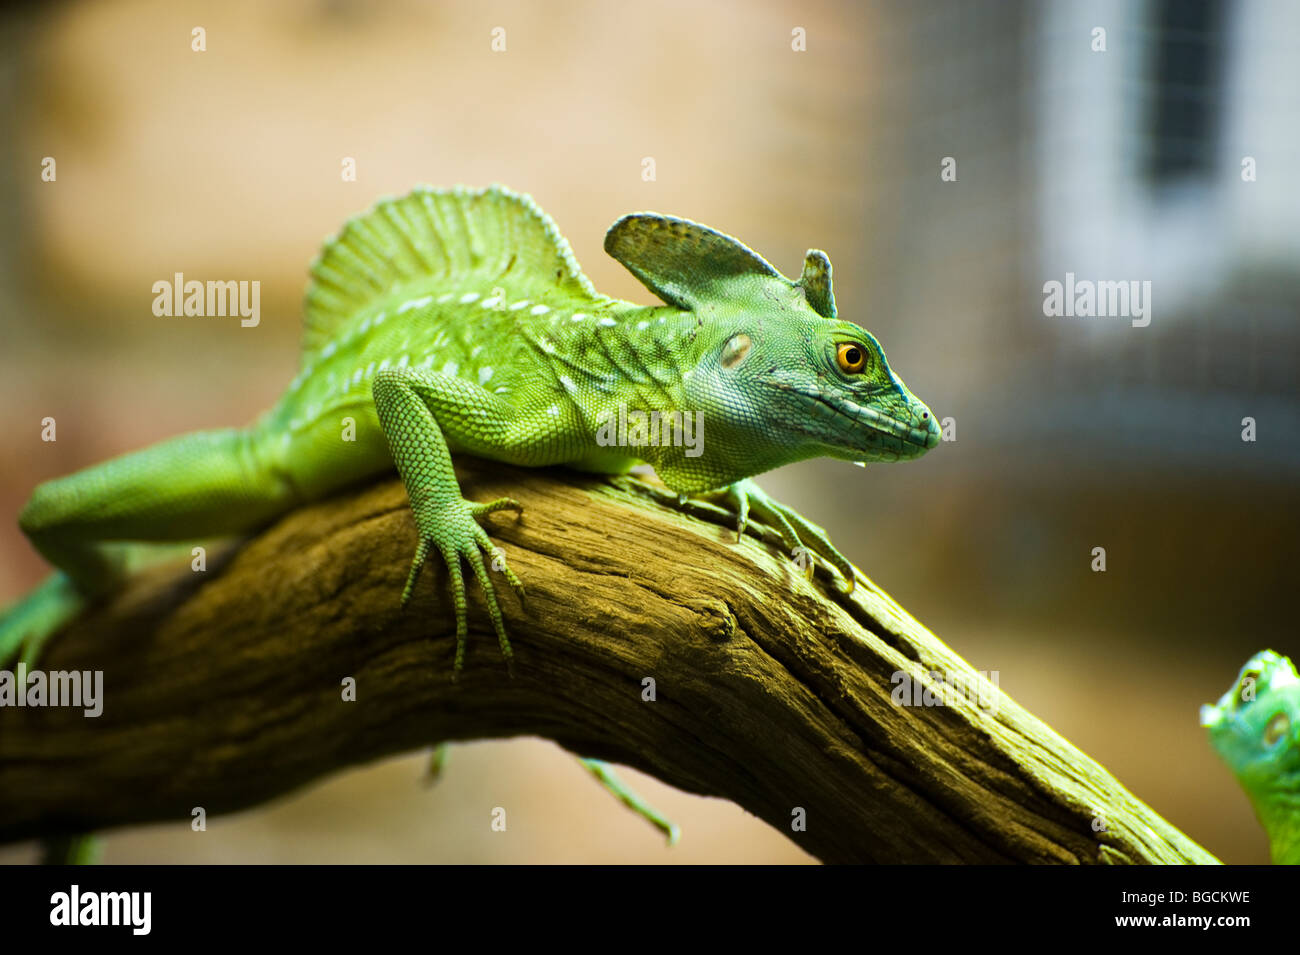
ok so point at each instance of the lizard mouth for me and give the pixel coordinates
(854, 429)
(889, 433)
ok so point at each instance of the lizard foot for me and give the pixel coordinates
(749, 499)
(28, 623)
(456, 534)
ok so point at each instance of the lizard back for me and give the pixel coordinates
(453, 281)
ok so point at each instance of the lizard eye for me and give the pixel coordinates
(1277, 728)
(851, 357)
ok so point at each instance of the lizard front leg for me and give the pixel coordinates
(418, 411)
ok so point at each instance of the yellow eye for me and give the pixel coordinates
(1277, 728)
(851, 358)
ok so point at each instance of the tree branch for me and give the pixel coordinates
(223, 689)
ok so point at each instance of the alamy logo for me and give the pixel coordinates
(77, 688)
(946, 689)
(103, 908)
(638, 429)
(211, 300)
(1084, 298)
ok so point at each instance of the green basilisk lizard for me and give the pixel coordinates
(1255, 729)
(458, 321)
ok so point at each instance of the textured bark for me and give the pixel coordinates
(223, 689)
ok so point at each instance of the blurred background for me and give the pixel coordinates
(1115, 156)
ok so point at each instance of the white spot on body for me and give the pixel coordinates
(539, 309)
(568, 384)
(483, 375)
(553, 411)
(642, 326)
(607, 322)
(522, 303)
(444, 299)
(469, 297)
(414, 303)
(450, 368)
(577, 317)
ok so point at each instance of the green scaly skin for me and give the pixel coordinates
(1255, 729)
(458, 321)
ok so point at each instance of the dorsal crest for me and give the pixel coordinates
(437, 240)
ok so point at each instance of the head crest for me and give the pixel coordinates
(816, 283)
(678, 259)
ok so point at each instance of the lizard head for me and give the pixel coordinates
(776, 372)
(824, 386)
(1255, 729)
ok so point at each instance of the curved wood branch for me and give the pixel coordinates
(223, 689)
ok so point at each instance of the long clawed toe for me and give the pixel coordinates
(794, 530)
(471, 547)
